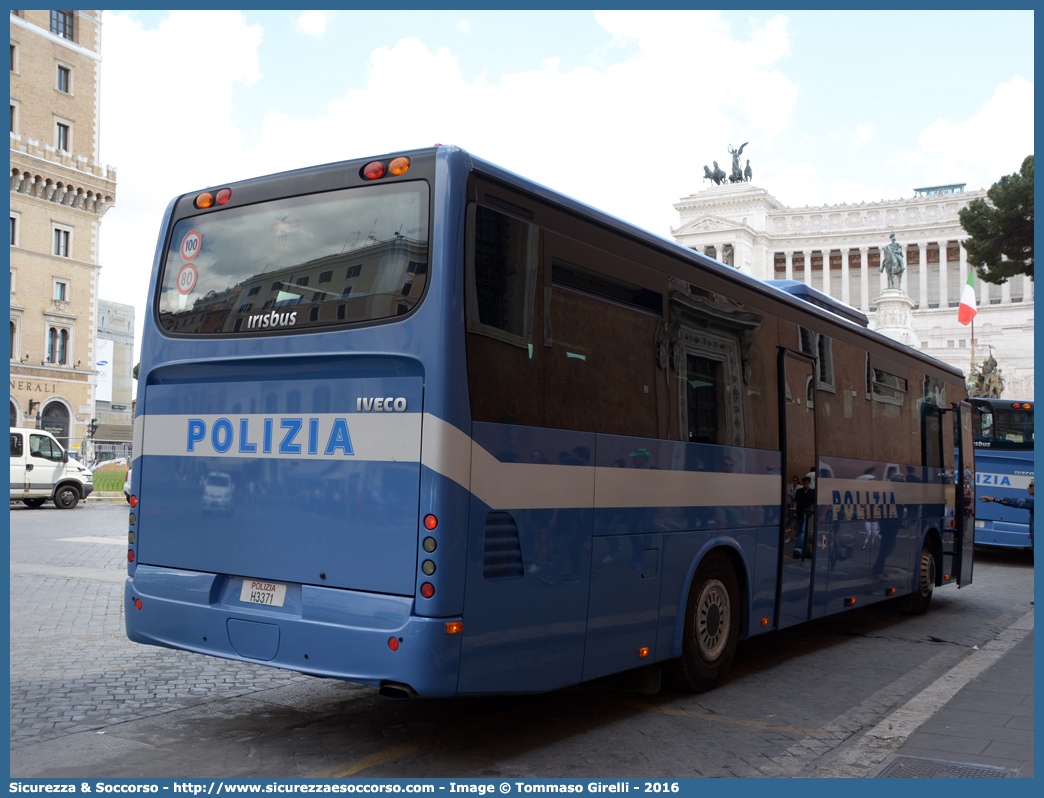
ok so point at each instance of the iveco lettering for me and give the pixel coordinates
(417, 422)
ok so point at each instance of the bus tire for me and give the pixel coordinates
(66, 497)
(711, 630)
(922, 596)
(35, 504)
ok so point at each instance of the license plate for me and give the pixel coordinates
(271, 594)
(980, 524)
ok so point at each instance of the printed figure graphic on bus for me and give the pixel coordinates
(804, 507)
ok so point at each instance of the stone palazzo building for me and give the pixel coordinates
(746, 227)
(59, 193)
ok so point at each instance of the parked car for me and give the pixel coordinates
(41, 471)
(126, 485)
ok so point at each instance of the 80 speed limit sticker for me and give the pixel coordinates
(191, 244)
(187, 279)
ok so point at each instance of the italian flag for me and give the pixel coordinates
(967, 310)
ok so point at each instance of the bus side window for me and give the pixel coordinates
(505, 369)
(844, 412)
(601, 374)
(932, 436)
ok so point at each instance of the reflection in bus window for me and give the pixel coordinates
(505, 370)
(703, 385)
(718, 337)
(272, 250)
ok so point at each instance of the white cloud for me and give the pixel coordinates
(863, 134)
(464, 26)
(613, 137)
(629, 138)
(167, 128)
(313, 23)
(981, 149)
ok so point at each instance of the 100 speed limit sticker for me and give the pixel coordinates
(191, 244)
(188, 274)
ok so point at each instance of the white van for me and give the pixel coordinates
(41, 471)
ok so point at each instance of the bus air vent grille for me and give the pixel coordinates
(503, 554)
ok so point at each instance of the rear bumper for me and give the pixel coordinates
(328, 632)
(1004, 534)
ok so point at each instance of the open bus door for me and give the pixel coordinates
(964, 531)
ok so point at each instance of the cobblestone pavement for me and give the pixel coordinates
(794, 701)
(72, 667)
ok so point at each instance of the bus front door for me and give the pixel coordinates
(800, 455)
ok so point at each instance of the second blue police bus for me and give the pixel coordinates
(1003, 433)
(419, 423)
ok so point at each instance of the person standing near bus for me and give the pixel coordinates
(1021, 504)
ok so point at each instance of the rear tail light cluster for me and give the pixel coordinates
(208, 200)
(375, 170)
(1023, 405)
(429, 544)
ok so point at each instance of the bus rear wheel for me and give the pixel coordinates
(922, 597)
(711, 631)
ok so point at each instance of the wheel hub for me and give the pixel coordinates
(927, 574)
(712, 619)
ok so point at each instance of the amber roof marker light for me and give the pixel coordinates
(205, 200)
(399, 166)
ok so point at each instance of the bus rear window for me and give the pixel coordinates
(355, 255)
(1002, 428)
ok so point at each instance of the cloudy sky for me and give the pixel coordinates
(619, 109)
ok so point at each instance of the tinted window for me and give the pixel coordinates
(505, 367)
(273, 250)
(16, 444)
(702, 386)
(502, 272)
(1003, 427)
(601, 366)
(723, 355)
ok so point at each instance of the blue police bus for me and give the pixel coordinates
(419, 423)
(1003, 434)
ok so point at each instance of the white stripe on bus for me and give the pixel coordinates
(448, 451)
(393, 437)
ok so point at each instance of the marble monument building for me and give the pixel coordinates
(837, 249)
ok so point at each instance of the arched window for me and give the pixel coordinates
(13, 330)
(14, 414)
(63, 347)
(52, 344)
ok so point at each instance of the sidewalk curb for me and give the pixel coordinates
(867, 757)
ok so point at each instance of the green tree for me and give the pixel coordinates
(1001, 229)
(136, 370)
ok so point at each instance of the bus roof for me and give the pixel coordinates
(804, 302)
